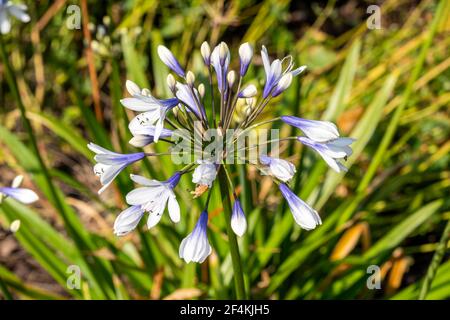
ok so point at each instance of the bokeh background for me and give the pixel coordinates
(387, 87)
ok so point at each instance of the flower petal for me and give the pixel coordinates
(23, 195)
(174, 209)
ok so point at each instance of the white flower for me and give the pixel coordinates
(7, 8)
(205, 173)
(238, 220)
(154, 110)
(332, 151)
(195, 247)
(305, 216)
(128, 220)
(23, 195)
(316, 130)
(154, 197)
(110, 164)
(279, 168)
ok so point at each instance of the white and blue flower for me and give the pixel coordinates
(195, 247)
(220, 59)
(128, 220)
(7, 9)
(305, 216)
(191, 98)
(238, 220)
(153, 110)
(274, 71)
(154, 197)
(205, 173)
(169, 60)
(316, 130)
(279, 168)
(144, 134)
(23, 195)
(245, 57)
(110, 164)
(332, 151)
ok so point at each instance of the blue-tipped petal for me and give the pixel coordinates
(169, 60)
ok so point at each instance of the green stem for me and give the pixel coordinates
(435, 262)
(232, 240)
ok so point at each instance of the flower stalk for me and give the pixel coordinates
(232, 240)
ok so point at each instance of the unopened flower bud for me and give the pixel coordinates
(206, 53)
(248, 92)
(223, 53)
(231, 77)
(283, 84)
(201, 90)
(171, 83)
(245, 55)
(190, 78)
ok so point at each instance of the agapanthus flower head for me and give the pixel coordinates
(195, 247)
(7, 9)
(192, 114)
(23, 195)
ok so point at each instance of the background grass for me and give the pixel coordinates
(387, 88)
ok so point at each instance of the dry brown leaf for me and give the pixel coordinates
(348, 241)
(184, 294)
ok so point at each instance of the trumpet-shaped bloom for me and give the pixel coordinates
(154, 197)
(191, 98)
(305, 216)
(205, 173)
(110, 164)
(195, 247)
(274, 71)
(316, 130)
(23, 195)
(128, 220)
(154, 110)
(279, 168)
(145, 134)
(169, 60)
(238, 220)
(7, 9)
(331, 151)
